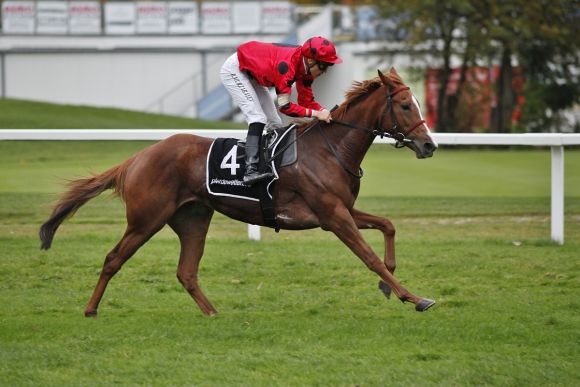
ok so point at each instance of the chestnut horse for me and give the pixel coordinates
(166, 184)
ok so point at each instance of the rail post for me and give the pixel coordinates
(557, 204)
(254, 232)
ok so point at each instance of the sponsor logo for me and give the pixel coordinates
(227, 182)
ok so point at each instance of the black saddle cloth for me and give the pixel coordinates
(226, 164)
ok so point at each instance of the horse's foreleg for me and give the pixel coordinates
(367, 221)
(344, 227)
(191, 224)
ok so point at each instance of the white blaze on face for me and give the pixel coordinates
(416, 102)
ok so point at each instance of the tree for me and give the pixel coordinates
(442, 27)
(541, 35)
(549, 54)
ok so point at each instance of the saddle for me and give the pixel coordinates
(226, 166)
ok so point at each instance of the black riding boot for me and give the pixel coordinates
(252, 174)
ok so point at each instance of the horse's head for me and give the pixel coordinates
(402, 118)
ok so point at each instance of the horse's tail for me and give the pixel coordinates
(81, 191)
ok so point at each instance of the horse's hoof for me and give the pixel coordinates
(424, 304)
(386, 289)
(91, 313)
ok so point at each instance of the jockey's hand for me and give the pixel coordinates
(323, 115)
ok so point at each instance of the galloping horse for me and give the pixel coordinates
(166, 184)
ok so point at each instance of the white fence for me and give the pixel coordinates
(556, 141)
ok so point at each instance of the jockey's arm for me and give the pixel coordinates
(306, 98)
(306, 95)
(294, 110)
(306, 107)
(291, 109)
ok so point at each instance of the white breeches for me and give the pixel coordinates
(254, 100)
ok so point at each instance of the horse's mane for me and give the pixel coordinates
(364, 88)
(358, 90)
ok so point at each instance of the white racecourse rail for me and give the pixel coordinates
(556, 141)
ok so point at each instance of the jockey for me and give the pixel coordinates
(256, 67)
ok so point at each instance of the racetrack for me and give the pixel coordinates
(298, 308)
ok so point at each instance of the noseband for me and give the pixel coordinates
(397, 133)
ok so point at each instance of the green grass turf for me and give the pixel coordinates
(19, 114)
(298, 308)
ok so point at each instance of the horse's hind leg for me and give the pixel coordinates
(137, 233)
(191, 223)
(127, 246)
(368, 221)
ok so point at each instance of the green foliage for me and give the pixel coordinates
(541, 35)
(547, 98)
(298, 308)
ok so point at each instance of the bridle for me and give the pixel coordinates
(397, 133)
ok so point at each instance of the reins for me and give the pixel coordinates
(400, 136)
(279, 152)
(358, 175)
(312, 126)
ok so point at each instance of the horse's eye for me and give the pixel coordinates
(406, 107)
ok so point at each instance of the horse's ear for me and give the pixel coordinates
(393, 71)
(383, 78)
(386, 81)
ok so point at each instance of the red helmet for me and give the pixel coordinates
(320, 49)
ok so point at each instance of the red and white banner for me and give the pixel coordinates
(146, 17)
(151, 17)
(216, 17)
(276, 17)
(18, 17)
(84, 17)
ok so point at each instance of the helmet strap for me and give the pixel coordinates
(308, 67)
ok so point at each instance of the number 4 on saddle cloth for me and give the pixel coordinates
(226, 166)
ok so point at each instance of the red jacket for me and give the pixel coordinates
(280, 66)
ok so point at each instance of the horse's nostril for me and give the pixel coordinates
(430, 147)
